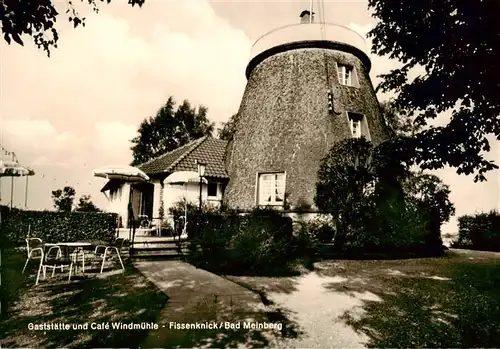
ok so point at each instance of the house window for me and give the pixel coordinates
(271, 189)
(355, 124)
(345, 74)
(212, 188)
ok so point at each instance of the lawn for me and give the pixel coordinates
(112, 297)
(453, 301)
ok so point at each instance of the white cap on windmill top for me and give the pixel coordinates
(309, 29)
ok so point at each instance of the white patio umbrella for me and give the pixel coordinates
(14, 169)
(184, 177)
(127, 173)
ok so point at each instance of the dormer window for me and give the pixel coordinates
(346, 75)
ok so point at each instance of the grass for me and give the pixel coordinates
(115, 297)
(453, 301)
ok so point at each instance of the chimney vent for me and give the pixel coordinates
(306, 17)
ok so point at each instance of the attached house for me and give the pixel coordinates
(147, 197)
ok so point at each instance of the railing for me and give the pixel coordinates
(308, 32)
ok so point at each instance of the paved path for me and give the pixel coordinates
(197, 296)
(318, 312)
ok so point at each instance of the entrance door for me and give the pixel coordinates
(147, 199)
(141, 198)
(135, 199)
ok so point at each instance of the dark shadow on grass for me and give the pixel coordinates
(231, 338)
(284, 270)
(13, 282)
(124, 297)
(327, 251)
(277, 314)
(458, 308)
(199, 297)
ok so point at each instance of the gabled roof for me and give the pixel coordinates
(205, 149)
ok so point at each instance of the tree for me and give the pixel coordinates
(171, 128)
(63, 199)
(85, 204)
(345, 180)
(456, 44)
(37, 19)
(399, 123)
(377, 202)
(430, 195)
(228, 128)
(429, 190)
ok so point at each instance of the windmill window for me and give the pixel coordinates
(271, 189)
(346, 75)
(355, 128)
(358, 125)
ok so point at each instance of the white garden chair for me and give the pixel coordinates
(52, 259)
(105, 253)
(33, 247)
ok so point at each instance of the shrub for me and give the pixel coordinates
(395, 229)
(306, 240)
(263, 242)
(57, 226)
(480, 231)
(209, 233)
(318, 229)
(225, 241)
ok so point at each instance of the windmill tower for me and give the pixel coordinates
(308, 87)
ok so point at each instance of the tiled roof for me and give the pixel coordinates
(206, 149)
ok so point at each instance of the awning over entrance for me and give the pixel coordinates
(112, 185)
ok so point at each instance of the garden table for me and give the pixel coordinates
(76, 247)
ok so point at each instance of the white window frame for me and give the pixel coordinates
(274, 187)
(355, 120)
(355, 127)
(342, 72)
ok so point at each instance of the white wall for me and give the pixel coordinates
(157, 195)
(118, 202)
(216, 200)
(173, 193)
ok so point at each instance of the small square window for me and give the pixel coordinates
(212, 189)
(345, 74)
(271, 189)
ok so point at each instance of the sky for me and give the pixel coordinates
(78, 110)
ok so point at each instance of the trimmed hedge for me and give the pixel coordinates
(57, 226)
(225, 241)
(479, 232)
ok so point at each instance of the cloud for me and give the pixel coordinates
(114, 135)
(37, 134)
(82, 105)
(44, 161)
